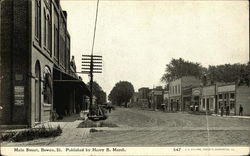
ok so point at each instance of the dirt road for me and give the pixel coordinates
(150, 128)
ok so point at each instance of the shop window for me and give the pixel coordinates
(220, 104)
(203, 103)
(232, 104)
(211, 103)
(47, 86)
(38, 21)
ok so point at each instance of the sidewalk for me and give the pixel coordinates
(71, 135)
(232, 116)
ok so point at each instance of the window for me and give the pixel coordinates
(179, 89)
(211, 103)
(220, 104)
(175, 89)
(232, 104)
(38, 21)
(231, 95)
(56, 38)
(208, 104)
(45, 29)
(47, 86)
(203, 103)
(62, 43)
(47, 32)
(220, 96)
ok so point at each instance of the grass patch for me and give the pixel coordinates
(31, 134)
(107, 124)
(90, 124)
(87, 124)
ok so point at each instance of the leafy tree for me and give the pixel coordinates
(178, 68)
(98, 93)
(122, 92)
(230, 73)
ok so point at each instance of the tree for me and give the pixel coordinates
(230, 73)
(122, 92)
(98, 93)
(178, 68)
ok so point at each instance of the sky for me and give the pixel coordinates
(138, 38)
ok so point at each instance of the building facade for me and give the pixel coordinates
(196, 96)
(143, 97)
(156, 98)
(37, 77)
(176, 88)
(208, 98)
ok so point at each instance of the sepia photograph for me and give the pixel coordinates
(124, 77)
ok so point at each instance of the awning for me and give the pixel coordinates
(74, 83)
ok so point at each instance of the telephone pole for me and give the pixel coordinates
(91, 64)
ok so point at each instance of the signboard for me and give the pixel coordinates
(228, 88)
(19, 95)
(157, 92)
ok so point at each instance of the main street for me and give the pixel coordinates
(150, 128)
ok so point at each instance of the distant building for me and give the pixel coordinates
(232, 96)
(156, 98)
(196, 96)
(143, 95)
(208, 98)
(176, 88)
(166, 98)
(37, 79)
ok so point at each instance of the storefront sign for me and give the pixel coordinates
(156, 92)
(19, 95)
(228, 88)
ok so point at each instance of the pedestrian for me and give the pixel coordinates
(241, 111)
(221, 110)
(109, 108)
(227, 110)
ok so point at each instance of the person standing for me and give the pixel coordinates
(241, 110)
(227, 110)
(221, 110)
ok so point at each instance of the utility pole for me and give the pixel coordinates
(91, 64)
(92, 58)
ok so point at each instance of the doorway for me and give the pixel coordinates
(37, 92)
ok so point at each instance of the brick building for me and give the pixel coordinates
(176, 88)
(36, 74)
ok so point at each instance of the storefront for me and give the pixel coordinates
(196, 95)
(226, 98)
(207, 101)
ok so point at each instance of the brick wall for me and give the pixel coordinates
(20, 56)
(6, 48)
(14, 59)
